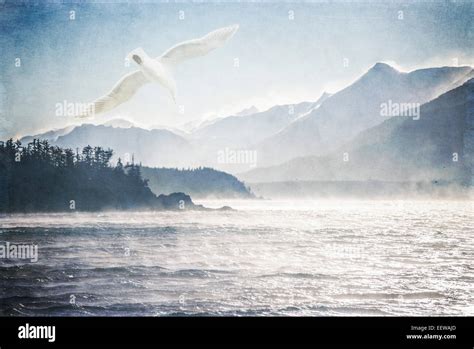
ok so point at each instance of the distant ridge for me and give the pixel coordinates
(199, 183)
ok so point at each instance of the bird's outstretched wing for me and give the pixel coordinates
(122, 91)
(198, 47)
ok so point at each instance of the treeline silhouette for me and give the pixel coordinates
(39, 177)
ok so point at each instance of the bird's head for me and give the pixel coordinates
(138, 56)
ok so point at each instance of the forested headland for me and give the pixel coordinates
(39, 177)
(202, 182)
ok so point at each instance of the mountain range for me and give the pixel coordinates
(357, 108)
(304, 141)
(439, 146)
(150, 147)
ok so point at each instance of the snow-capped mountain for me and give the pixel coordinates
(356, 108)
(439, 146)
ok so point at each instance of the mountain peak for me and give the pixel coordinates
(248, 111)
(119, 123)
(383, 67)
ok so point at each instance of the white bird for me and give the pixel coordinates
(158, 69)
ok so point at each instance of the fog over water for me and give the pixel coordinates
(264, 258)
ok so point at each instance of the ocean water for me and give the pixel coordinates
(316, 258)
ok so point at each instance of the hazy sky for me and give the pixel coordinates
(282, 58)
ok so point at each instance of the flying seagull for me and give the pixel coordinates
(158, 69)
